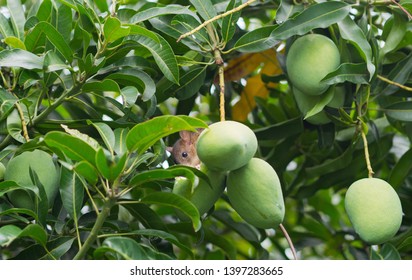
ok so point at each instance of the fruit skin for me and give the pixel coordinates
(256, 194)
(374, 209)
(203, 195)
(309, 59)
(306, 103)
(226, 145)
(2, 170)
(18, 170)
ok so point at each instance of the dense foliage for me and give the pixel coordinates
(105, 86)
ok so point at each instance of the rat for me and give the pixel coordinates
(184, 149)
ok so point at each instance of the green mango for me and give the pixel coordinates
(226, 145)
(374, 209)
(18, 170)
(309, 59)
(256, 194)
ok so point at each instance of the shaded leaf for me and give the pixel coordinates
(401, 111)
(71, 192)
(176, 201)
(166, 236)
(353, 33)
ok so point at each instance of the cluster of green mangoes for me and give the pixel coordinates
(309, 59)
(226, 150)
(22, 169)
(373, 206)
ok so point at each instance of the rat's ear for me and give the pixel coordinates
(169, 149)
(185, 135)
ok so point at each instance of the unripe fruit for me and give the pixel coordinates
(226, 145)
(18, 170)
(2, 170)
(374, 209)
(309, 60)
(203, 195)
(255, 193)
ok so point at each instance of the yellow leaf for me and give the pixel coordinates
(245, 64)
(255, 87)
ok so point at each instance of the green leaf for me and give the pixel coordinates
(286, 10)
(144, 214)
(71, 192)
(319, 15)
(138, 78)
(332, 165)
(9, 233)
(7, 101)
(190, 83)
(399, 74)
(113, 30)
(351, 32)
(17, 17)
(175, 201)
(5, 28)
(256, 40)
(14, 126)
(110, 168)
(179, 25)
(323, 101)
(387, 252)
(87, 170)
(348, 72)
(106, 133)
(73, 147)
(204, 8)
(120, 135)
(121, 248)
(401, 170)
(15, 42)
(401, 111)
(32, 39)
(106, 85)
(58, 248)
(20, 58)
(145, 134)
(102, 5)
(161, 11)
(162, 174)
(229, 22)
(165, 236)
(53, 62)
(160, 49)
(395, 35)
(280, 130)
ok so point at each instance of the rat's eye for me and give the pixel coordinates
(184, 154)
